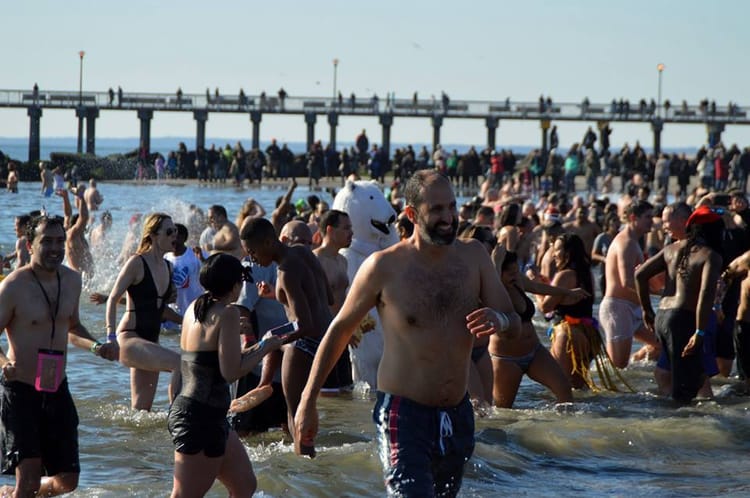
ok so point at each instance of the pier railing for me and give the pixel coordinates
(474, 109)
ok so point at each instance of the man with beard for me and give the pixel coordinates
(336, 228)
(434, 294)
(39, 310)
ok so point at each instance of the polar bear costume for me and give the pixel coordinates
(372, 218)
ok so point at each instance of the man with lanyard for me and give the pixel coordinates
(39, 419)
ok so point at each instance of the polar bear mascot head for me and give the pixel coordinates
(372, 216)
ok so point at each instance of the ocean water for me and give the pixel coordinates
(605, 444)
(18, 148)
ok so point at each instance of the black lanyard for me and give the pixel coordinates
(53, 317)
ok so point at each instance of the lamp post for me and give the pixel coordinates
(79, 111)
(335, 67)
(660, 68)
(80, 78)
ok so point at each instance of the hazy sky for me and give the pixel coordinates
(471, 49)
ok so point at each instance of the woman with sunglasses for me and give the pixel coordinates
(147, 280)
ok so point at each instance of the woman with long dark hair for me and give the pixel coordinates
(205, 447)
(576, 341)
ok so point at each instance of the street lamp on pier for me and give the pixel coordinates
(335, 67)
(80, 78)
(660, 68)
(79, 111)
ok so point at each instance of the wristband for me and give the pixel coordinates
(111, 337)
(503, 319)
(699, 332)
(95, 347)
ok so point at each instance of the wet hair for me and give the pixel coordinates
(37, 221)
(575, 258)
(23, 220)
(709, 235)
(638, 208)
(151, 225)
(481, 233)
(610, 220)
(182, 231)
(510, 259)
(219, 274)
(509, 215)
(414, 190)
(221, 210)
(404, 227)
(257, 229)
(681, 209)
(331, 218)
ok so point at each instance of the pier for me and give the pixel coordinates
(89, 105)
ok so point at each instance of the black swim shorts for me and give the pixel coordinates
(39, 425)
(197, 427)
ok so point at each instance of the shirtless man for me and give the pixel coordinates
(76, 245)
(21, 254)
(39, 310)
(336, 228)
(303, 290)
(620, 314)
(693, 267)
(47, 178)
(227, 237)
(434, 294)
(93, 197)
(583, 227)
(99, 232)
(285, 209)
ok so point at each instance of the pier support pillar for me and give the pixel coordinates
(310, 119)
(714, 133)
(386, 121)
(200, 116)
(491, 123)
(35, 118)
(544, 125)
(81, 115)
(657, 125)
(255, 118)
(437, 122)
(91, 114)
(333, 122)
(145, 115)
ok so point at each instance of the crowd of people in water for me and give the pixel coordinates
(461, 299)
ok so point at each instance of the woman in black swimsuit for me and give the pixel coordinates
(205, 448)
(146, 277)
(512, 357)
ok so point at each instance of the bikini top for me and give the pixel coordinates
(529, 310)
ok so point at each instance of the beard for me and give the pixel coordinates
(436, 234)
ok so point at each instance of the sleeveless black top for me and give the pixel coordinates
(202, 380)
(144, 297)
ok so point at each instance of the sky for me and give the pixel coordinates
(473, 50)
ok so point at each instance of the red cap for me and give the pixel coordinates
(703, 215)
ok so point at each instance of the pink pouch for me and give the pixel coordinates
(49, 370)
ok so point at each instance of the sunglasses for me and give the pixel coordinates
(170, 231)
